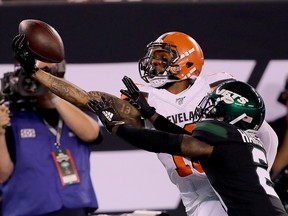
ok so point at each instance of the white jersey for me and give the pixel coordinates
(196, 193)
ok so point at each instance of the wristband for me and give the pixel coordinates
(55, 100)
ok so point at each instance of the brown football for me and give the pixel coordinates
(44, 41)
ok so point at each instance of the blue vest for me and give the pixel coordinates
(35, 187)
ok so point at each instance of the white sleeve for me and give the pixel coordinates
(270, 142)
(218, 77)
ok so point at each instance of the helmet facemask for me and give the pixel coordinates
(206, 108)
(185, 62)
(165, 70)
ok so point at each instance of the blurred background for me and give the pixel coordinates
(105, 38)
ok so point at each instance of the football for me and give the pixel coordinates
(43, 40)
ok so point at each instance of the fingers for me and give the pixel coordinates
(125, 92)
(18, 41)
(98, 106)
(93, 105)
(4, 116)
(132, 89)
(133, 85)
(125, 81)
(128, 83)
(21, 41)
(15, 41)
(92, 102)
(104, 100)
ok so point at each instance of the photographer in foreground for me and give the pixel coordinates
(44, 153)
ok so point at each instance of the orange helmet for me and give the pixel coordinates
(186, 59)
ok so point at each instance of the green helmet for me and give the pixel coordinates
(237, 102)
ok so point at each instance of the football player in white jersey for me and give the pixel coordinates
(172, 66)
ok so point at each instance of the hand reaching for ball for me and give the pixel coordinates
(44, 41)
(22, 53)
(37, 40)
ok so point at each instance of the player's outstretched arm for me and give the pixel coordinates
(149, 140)
(63, 88)
(163, 124)
(60, 87)
(159, 141)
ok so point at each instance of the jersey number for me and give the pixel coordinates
(181, 167)
(264, 178)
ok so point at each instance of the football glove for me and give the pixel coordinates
(136, 98)
(106, 113)
(22, 54)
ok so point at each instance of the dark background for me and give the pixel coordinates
(118, 32)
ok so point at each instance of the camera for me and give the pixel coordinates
(19, 89)
(18, 86)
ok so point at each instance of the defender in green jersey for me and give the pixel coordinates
(224, 141)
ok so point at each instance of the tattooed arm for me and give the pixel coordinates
(80, 98)
(63, 88)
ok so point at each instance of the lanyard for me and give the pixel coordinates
(57, 132)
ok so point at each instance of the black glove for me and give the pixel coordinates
(106, 113)
(136, 98)
(22, 53)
